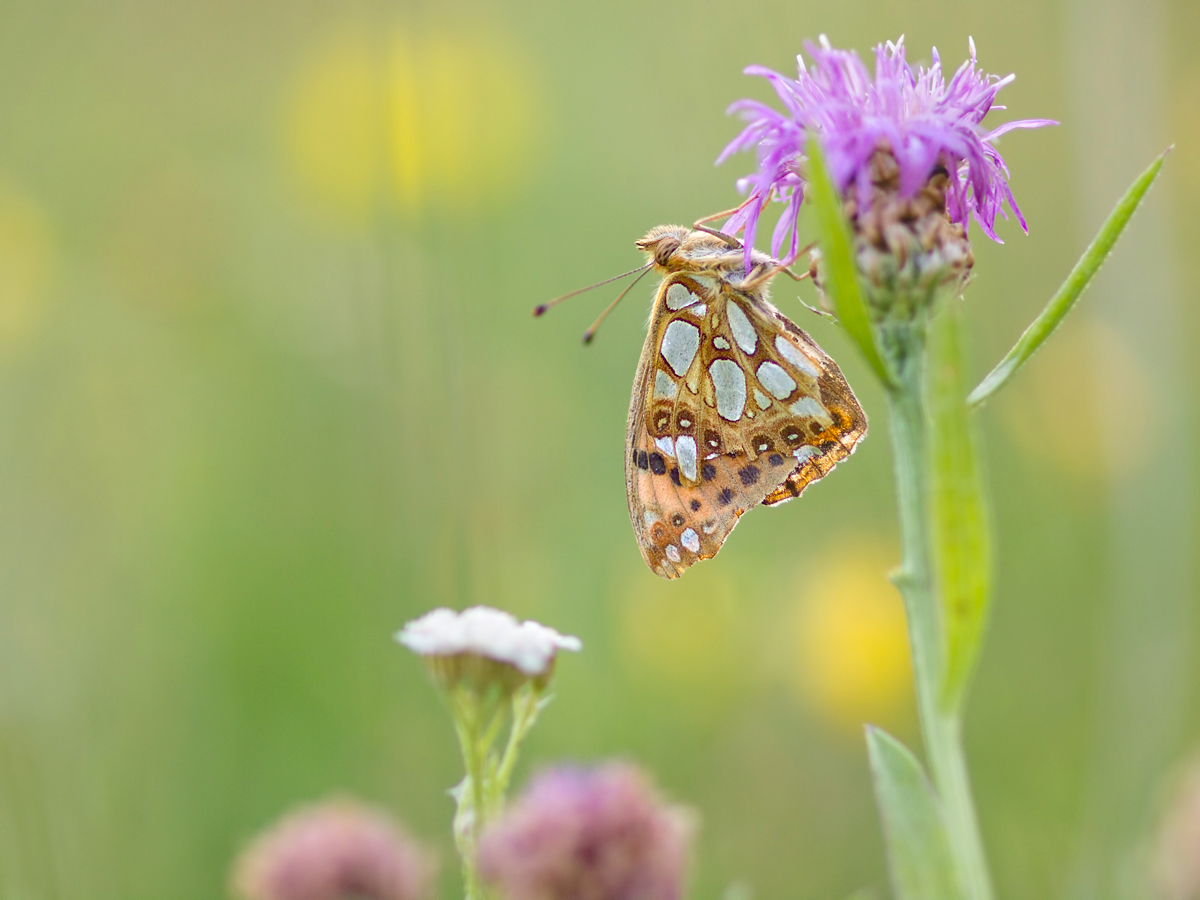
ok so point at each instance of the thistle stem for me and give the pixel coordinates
(940, 727)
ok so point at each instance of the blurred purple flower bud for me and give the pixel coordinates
(1176, 859)
(588, 834)
(333, 851)
(926, 123)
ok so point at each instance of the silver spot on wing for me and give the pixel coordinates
(729, 384)
(680, 343)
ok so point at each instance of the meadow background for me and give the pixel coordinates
(269, 388)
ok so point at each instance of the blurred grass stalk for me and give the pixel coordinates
(1143, 652)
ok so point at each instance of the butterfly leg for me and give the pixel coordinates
(792, 275)
(757, 277)
(765, 273)
(730, 241)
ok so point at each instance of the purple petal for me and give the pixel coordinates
(925, 119)
(1013, 126)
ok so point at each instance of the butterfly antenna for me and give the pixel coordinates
(591, 332)
(539, 310)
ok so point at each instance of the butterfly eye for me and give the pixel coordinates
(667, 245)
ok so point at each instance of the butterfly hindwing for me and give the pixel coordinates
(829, 445)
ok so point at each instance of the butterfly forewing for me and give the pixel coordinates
(732, 406)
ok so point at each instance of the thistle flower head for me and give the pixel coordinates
(925, 123)
(580, 834)
(331, 851)
(484, 645)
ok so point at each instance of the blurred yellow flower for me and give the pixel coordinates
(334, 125)
(686, 638)
(26, 258)
(1059, 412)
(851, 642)
(435, 122)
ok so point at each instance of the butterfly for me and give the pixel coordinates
(733, 405)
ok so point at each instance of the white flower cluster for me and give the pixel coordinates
(491, 633)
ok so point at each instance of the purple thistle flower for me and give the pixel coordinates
(921, 119)
(332, 851)
(580, 834)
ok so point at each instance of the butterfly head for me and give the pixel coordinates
(674, 248)
(662, 242)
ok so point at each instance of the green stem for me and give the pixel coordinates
(941, 727)
(526, 705)
(471, 804)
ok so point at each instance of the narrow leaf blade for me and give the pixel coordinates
(1060, 304)
(837, 253)
(918, 848)
(958, 507)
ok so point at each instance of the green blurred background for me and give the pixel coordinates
(269, 388)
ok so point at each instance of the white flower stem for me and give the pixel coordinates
(941, 727)
(527, 703)
(468, 822)
(480, 796)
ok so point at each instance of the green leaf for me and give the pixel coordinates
(1060, 304)
(837, 252)
(918, 848)
(958, 509)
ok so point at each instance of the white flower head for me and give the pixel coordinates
(488, 634)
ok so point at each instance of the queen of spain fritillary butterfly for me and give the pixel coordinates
(733, 404)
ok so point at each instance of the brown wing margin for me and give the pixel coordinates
(634, 427)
